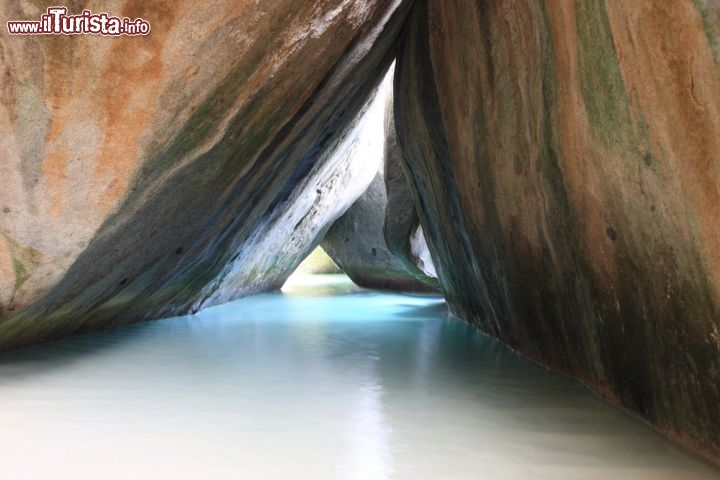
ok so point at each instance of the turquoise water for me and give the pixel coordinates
(325, 381)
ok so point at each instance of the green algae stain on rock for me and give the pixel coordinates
(23, 260)
(601, 82)
(711, 20)
(615, 116)
(21, 274)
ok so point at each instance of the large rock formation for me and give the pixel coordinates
(564, 156)
(567, 158)
(378, 242)
(149, 176)
(402, 229)
(356, 243)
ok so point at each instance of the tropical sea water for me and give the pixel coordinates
(323, 381)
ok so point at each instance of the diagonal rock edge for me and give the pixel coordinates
(402, 230)
(377, 242)
(565, 204)
(171, 246)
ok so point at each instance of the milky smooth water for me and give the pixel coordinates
(324, 382)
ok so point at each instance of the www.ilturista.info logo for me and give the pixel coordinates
(57, 22)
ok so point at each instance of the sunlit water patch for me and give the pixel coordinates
(322, 382)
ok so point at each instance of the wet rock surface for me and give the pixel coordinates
(566, 159)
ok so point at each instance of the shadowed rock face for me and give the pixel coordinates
(150, 176)
(403, 233)
(566, 156)
(358, 241)
(357, 245)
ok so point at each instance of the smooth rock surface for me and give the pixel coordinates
(357, 241)
(402, 229)
(566, 156)
(150, 176)
(356, 244)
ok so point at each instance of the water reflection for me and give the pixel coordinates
(322, 382)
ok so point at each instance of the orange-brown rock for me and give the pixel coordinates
(147, 176)
(567, 158)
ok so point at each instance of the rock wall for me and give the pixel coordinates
(378, 242)
(402, 229)
(150, 176)
(567, 160)
(357, 245)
